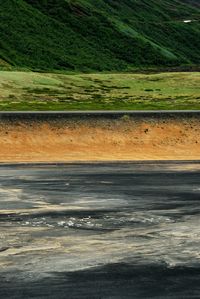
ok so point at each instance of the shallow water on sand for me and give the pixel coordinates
(126, 230)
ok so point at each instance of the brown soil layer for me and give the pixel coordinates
(96, 139)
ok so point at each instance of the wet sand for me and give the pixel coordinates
(100, 138)
(104, 230)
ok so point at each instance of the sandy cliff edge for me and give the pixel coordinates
(100, 139)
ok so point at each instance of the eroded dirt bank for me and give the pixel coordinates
(98, 138)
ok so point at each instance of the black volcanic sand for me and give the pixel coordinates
(104, 230)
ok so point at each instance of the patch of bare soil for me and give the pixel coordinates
(100, 140)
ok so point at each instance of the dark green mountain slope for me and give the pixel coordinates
(98, 34)
(193, 2)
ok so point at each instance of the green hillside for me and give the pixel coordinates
(83, 35)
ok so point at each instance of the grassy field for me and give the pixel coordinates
(47, 91)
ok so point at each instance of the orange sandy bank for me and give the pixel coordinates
(81, 139)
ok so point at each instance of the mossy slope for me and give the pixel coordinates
(98, 35)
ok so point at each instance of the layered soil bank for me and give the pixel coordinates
(98, 138)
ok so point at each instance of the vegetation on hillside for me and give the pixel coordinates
(84, 35)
